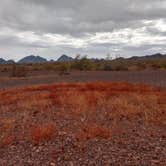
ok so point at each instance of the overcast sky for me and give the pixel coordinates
(50, 28)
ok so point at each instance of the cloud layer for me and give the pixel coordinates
(50, 28)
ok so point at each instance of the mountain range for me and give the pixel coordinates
(36, 59)
(32, 59)
(3, 61)
(65, 58)
(154, 56)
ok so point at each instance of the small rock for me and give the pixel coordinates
(155, 161)
(38, 150)
(52, 164)
(71, 163)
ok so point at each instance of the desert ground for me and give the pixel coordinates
(151, 77)
(85, 118)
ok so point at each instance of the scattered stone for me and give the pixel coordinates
(52, 164)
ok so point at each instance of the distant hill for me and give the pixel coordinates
(10, 61)
(3, 61)
(149, 57)
(65, 58)
(32, 59)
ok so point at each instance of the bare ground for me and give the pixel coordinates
(151, 77)
(137, 147)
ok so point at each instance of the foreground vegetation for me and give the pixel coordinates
(36, 113)
(83, 123)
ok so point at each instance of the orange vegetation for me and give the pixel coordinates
(93, 131)
(86, 110)
(7, 140)
(42, 132)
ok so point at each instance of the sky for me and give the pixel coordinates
(50, 28)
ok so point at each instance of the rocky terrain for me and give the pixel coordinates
(83, 124)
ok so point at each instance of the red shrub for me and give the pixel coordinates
(91, 131)
(42, 132)
(7, 140)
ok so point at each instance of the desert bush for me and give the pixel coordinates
(163, 66)
(141, 66)
(7, 140)
(50, 67)
(92, 131)
(107, 67)
(18, 71)
(83, 64)
(155, 66)
(42, 132)
(4, 69)
(64, 69)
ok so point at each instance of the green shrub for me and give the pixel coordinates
(83, 64)
(107, 67)
(64, 69)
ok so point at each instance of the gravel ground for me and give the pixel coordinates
(156, 78)
(135, 146)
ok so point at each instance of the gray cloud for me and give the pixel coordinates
(92, 27)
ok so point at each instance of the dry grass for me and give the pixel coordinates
(91, 131)
(7, 140)
(86, 110)
(42, 132)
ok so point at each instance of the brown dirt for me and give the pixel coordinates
(91, 124)
(157, 78)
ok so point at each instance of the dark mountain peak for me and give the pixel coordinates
(65, 58)
(2, 61)
(157, 55)
(147, 57)
(10, 61)
(32, 59)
